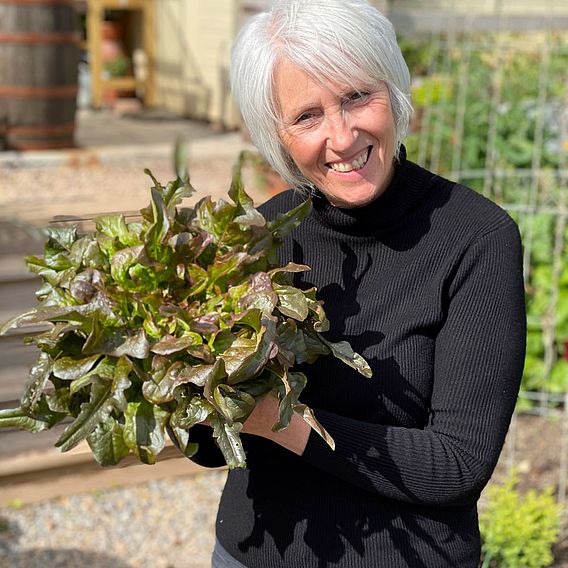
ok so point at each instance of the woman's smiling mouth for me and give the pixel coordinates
(358, 163)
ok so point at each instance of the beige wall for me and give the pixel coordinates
(510, 7)
(193, 39)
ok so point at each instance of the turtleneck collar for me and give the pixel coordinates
(409, 185)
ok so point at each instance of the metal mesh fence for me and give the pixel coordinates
(491, 111)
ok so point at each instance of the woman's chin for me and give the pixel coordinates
(351, 197)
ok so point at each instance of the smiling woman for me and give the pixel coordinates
(343, 141)
(422, 276)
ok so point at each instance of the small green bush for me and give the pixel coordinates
(518, 530)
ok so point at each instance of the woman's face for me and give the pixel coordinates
(342, 140)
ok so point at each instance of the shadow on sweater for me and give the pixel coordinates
(339, 536)
(336, 531)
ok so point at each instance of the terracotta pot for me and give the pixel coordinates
(112, 45)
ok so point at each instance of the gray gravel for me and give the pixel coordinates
(160, 524)
(37, 194)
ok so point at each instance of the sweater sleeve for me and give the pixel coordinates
(479, 354)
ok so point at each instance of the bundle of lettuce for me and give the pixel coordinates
(151, 327)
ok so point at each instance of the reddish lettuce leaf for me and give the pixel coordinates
(180, 318)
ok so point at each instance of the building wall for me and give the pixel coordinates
(193, 40)
(507, 7)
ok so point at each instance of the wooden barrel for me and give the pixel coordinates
(39, 55)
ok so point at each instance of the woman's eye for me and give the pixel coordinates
(357, 96)
(305, 117)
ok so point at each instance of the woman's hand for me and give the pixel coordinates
(265, 414)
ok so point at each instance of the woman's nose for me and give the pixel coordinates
(340, 132)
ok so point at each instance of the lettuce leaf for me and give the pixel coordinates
(179, 318)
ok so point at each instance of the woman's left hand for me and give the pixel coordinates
(265, 414)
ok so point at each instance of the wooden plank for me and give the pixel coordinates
(120, 83)
(43, 475)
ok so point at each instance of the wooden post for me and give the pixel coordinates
(149, 46)
(95, 17)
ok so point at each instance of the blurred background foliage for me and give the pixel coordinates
(491, 111)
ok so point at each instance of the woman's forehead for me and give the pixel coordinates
(289, 74)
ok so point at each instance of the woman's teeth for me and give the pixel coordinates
(356, 164)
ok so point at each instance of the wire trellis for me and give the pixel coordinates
(491, 112)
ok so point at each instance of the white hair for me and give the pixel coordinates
(345, 42)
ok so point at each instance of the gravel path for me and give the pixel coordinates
(32, 194)
(161, 524)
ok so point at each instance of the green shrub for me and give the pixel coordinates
(518, 530)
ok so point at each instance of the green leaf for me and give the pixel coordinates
(214, 377)
(123, 260)
(160, 388)
(246, 358)
(285, 223)
(292, 385)
(191, 409)
(251, 318)
(321, 323)
(38, 315)
(105, 369)
(35, 385)
(94, 412)
(198, 278)
(261, 384)
(305, 346)
(222, 341)
(246, 213)
(290, 267)
(229, 442)
(309, 417)
(59, 401)
(261, 294)
(187, 448)
(292, 302)
(157, 234)
(225, 268)
(180, 160)
(169, 344)
(343, 351)
(234, 404)
(113, 226)
(117, 342)
(18, 418)
(107, 396)
(107, 442)
(144, 429)
(71, 368)
(60, 238)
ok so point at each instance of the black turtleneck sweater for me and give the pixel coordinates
(426, 283)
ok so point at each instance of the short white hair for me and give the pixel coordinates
(335, 41)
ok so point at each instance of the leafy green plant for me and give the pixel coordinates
(546, 310)
(164, 323)
(487, 105)
(455, 120)
(119, 66)
(518, 531)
